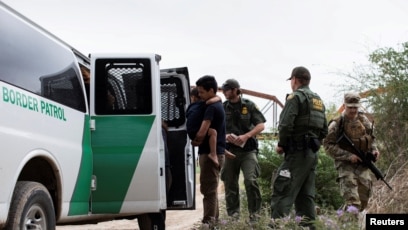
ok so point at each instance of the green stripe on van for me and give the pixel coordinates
(117, 144)
(80, 198)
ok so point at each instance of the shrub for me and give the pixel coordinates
(327, 189)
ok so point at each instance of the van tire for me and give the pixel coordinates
(149, 221)
(31, 207)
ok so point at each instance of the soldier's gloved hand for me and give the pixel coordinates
(355, 159)
(376, 154)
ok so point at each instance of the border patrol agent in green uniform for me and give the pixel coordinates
(302, 127)
(243, 122)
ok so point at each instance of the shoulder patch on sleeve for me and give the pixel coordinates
(290, 96)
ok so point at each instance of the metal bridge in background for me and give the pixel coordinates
(272, 103)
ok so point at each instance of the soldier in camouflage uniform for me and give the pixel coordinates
(354, 179)
(302, 127)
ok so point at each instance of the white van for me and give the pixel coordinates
(66, 157)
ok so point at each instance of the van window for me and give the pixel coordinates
(123, 88)
(39, 64)
(172, 101)
(64, 88)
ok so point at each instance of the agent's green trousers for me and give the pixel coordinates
(248, 163)
(295, 184)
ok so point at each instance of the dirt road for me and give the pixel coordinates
(175, 219)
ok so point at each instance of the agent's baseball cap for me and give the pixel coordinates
(300, 72)
(352, 99)
(230, 84)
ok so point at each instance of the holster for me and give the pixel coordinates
(314, 144)
(306, 142)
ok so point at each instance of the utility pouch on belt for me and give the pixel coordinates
(302, 143)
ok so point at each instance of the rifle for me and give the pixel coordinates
(367, 159)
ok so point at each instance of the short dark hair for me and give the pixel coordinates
(207, 82)
(194, 92)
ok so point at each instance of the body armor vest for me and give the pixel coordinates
(312, 113)
(359, 134)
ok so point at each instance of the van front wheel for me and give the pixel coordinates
(31, 207)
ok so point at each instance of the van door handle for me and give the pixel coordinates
(92, 125)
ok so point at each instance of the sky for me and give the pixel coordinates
(257, 42)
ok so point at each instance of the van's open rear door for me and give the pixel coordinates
(126, 135)
(126, 116)
(175, 97)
